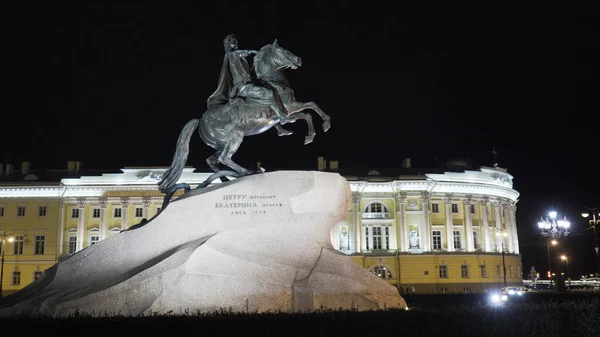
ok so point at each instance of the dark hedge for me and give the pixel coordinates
(430, 315)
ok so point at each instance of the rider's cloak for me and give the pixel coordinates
(221, 94)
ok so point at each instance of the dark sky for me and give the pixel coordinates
(111, 85)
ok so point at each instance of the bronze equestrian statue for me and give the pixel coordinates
(239, 108)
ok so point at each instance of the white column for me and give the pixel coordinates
(469, 225)
(402, 231)
(487, 235)
(356, 222)
(513, 222)
(405, 238)
(508, 228)
(80, 224)
(498, 221)
(103, 205)
(449, 225)
(124, 213)
(146, 210)
(61, 227)
(425, 229)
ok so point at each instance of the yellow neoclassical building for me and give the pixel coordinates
(437, 232)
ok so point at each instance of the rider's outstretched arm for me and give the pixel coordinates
(244, 53)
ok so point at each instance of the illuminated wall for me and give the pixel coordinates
(32, 223)
(436, 232)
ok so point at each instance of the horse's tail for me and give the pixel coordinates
(172, 175)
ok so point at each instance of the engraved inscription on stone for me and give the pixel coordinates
(244, 204)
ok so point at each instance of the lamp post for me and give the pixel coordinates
(553, 229)
(554, 243)
(502, 232)
(566, 259)
(9, 238)
(592, 222)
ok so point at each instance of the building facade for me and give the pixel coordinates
(49, 221)
(437, 233)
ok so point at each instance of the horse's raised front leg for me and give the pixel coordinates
(308, 118)
(299, 106)
(281, 131)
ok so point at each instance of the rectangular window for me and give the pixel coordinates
(443, 271)
(94, 239)
(72, 244)
(466, 289)
(498, 270)
(457, 240)
(376, 237)
(1, 211)
(444, 290)
(117, 213)
(464, 271)
(42, 210)
(475, 240)
(379, 238)
(40, 244)
(435, 208)
(437, 239)
(139, 212)
(75, 213)
(37, 274)
(472, 209)
(96, 213)
(454, 208)
(483, 271)
(20, 210)
(16, 278)
(18, 244)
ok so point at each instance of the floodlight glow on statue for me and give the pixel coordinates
(242, 107)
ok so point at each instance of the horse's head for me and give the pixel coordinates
(273, 57)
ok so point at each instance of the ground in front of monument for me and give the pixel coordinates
(539, 314)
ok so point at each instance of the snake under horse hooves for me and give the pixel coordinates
(217, 175)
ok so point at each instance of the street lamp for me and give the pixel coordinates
(5, 237)
(592, 222)
(548, 243)
(501, 232)
(553, 229)
(566, 259)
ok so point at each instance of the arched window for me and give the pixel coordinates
(376, 210)
(376, 207)
(382, 272)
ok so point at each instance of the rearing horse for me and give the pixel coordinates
(224, 127)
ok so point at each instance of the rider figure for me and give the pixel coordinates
(235, 80)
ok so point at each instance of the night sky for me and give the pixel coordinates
(111, 86)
